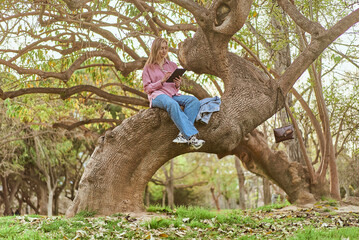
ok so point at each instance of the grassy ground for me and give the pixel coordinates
(270, 222)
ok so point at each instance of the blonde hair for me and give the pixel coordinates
(155, 49)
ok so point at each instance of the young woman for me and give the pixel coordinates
(164, 95)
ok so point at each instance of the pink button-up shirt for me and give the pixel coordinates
(151, 77)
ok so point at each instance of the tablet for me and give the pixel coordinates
(177, 73)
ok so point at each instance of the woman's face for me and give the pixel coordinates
(163, 50)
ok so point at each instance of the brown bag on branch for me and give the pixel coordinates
(283, 133)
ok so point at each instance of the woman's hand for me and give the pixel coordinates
(167, 75)
(177, 82)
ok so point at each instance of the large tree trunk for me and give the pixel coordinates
(42, 199)
(127, 157)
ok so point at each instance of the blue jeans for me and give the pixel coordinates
(184, 120)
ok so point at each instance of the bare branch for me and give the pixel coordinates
(345, 56)
(190, 185)
(69, 127)
(176, 27)
(315, 48)
(139, 5)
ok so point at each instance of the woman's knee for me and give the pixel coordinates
(195, 102)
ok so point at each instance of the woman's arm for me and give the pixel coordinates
(148, 85)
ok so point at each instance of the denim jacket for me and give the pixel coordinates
(208, 106)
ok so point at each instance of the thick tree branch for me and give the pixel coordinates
(68, 92)
(314, 28)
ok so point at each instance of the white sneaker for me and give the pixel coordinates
(180, 139)
(195, 143)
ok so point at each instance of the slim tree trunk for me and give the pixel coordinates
(147, 196)
(266, 191)
(7, 209)
(170, 186)
(241, 179)
(164, 198)
(215, 199)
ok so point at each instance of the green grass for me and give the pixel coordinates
(270, 207)
(156, 223)
(194, 213)
(351, 233)
(186, 223)
(86, 213)
(159, 209)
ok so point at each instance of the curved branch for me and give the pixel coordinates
(191, 87)
(69, 127)
(68, 92)
(66, 75)
(176, 27)
(230, 16)
(312, 118)
(75, 4)
(196, 9)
